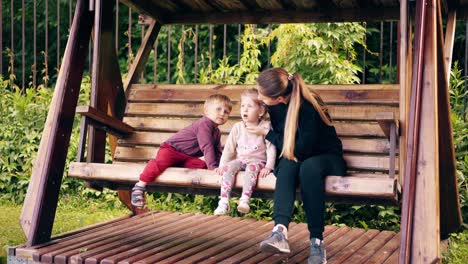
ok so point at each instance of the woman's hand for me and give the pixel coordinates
(258, 130)
(264, 172)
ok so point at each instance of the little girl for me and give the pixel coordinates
(247, 151)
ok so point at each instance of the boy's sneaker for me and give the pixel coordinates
(318, 254)
(276, 242)
(223, 208)
(243, 206)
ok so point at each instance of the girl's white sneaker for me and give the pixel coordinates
(222, 209)
(243, 206)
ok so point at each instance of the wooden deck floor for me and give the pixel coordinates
(167, 237)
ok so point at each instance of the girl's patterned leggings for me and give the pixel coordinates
(250, 177)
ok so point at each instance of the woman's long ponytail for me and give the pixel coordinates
(277, 82)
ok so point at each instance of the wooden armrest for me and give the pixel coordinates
(386, 120)
(103, 121)
(390, 127)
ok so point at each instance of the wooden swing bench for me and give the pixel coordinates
(365, 116)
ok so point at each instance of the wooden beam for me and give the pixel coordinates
(80, 153)
(161, 124)
(426, 234)
(250, 5)
(288, 4)
(147, 7)
(326, 4)
(413, 131)
(450, 212)
(222, 87)
(139, 63)
(117, 100)
(360, 186)
(403, 79)
(337, 112)
(181, 5)
(196, 93)
(449, 41)
(386, 120)
(109, 95)
(133, 76)
(100, 81)
(103, 119)
(41, 199)
(420, 213)
(288, 16)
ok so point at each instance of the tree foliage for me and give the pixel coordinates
(245, 72)
(321, 52)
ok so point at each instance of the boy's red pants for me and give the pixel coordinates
(168, 157)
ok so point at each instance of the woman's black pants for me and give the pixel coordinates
(309, 175)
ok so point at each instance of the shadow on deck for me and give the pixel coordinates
(168, 237)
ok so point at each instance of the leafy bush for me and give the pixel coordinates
(22, 118)
(22, 121)
(321, 52)
(458, 253)
(243, 73)
(460, 133)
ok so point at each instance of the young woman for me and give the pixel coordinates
(309, 150)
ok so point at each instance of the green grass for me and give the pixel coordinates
(72, 213)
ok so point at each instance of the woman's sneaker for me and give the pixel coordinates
(276, 242)
(318, 254)
(223, 208)
(243, 206)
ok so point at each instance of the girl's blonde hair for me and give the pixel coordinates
(253, 94)
(278, 82)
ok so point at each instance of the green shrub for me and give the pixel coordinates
(458, 249)
(321, 53)
(460, 133)
(22, 118)
(22, 121)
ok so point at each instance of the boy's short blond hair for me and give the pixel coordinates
(219, 98)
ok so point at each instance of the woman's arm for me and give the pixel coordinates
(270, 155)
(270, 159)
(272, 136)
(275, 138)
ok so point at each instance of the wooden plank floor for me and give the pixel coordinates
(168, 237)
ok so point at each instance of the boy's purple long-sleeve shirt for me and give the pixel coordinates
(201, 138)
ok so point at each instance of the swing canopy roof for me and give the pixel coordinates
(276, 11)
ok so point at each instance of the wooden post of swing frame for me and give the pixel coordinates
(39, 207)
(403, 81)
(426, 224)
(132, 77)
(420, 227)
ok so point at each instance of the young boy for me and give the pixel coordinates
(202, 138)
